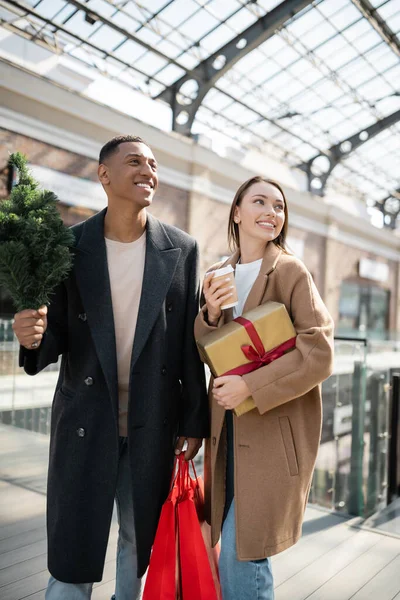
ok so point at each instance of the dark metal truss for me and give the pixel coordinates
(379, 24)
(202, 78)
(318, 174)
(390, 207)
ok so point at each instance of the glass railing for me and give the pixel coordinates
(351, 473)
(24, 401)
(352, 466)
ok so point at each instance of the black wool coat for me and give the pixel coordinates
(167, 395)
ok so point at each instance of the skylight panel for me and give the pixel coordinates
(188, 61)
(137, 13)
(222, 9)
(169, 49)
(254, 59)
(199, 25)
(305, 152)
(216, 39)
(394, 22)
(148, 36)
(376, 88)
(170, 74)
(49, 8)
(79, 26)
(216, 101)
(273, 46)
(328, 8)
(106, 9)
(130, 51)
(345, 17)
(154, 5)
(328, 90)
(268, 5)
(388, 9)
(286, 56)
(179, 11)
(367, 41)
(359, 28)
(241, 20)
(107, 38)
(150, 63)
(336, 44)
(382, 56)
(311, 21)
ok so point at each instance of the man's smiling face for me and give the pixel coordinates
(130, 174)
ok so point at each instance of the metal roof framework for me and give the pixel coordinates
(299, 80)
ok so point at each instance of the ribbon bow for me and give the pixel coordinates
(256, 354)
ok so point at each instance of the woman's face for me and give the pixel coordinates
(261, 213)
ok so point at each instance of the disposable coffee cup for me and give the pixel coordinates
(227, 273)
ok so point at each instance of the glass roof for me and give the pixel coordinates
(327, 74)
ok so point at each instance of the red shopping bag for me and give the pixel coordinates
(197, 578)
(179, 567)
(213, 553)
(162, 582)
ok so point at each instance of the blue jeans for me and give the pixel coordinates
(250, 580)
(127, 586)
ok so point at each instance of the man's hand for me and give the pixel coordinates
(193, 446)
(29, 326)
(230, 391)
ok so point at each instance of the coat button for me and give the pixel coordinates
(169, 306)
(82, 317)
(214, 441)
(163, 371)
(81, 432)
(89, 381)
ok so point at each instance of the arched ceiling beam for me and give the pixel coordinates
(390, 208)
(187, 93)
(321, 166)
(379, 24)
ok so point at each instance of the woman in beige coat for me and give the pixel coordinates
(258, 467)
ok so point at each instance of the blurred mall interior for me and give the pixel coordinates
(304, 92)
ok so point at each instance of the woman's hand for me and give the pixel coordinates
(215, 294)
(230, 391)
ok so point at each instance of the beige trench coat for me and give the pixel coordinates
(276, 444)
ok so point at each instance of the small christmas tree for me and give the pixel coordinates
(34, 242)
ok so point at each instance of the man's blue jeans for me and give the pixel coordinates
(128, 586)
(251, 580)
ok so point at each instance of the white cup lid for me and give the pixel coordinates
(223, 271)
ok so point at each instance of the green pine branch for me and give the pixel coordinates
(35, 245)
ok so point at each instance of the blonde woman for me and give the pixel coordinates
(258, 467)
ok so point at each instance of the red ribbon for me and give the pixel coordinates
(257, 355)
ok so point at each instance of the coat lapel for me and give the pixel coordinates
(93, 280)
(256, 294)
(160, 264)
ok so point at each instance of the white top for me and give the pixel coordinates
(245, 277)
(125, 268)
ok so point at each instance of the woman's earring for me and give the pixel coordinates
(236, 219)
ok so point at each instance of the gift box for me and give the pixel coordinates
(247, 343)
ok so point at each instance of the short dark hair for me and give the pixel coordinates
(112, 145)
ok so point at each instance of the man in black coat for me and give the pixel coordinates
(131, 388)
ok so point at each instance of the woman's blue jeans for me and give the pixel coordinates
(127, 586)
(250, 580)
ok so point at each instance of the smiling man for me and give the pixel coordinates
(131, 388)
